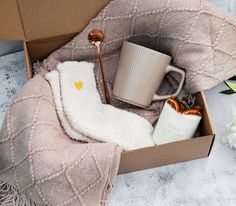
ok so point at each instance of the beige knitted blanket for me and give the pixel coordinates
(38, 159)
(41, 161)
(200, 38)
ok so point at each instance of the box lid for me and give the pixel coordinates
(31, 20)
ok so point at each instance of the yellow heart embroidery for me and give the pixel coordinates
(79, 85)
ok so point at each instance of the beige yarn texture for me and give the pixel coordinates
(41, 161)
(200, 37)
(37, 157)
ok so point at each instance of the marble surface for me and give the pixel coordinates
(204, 182)
(9, 47)
(12, 78)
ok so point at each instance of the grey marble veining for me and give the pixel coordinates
(9, 47)
(204, 182)
(227, 5)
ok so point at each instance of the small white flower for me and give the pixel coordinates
(229, 135)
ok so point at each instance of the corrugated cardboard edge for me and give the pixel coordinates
(40, 49)
(207, 112)
(166, 154)
(174, 152)
(210, 122)
(28, 64)
(212, 143)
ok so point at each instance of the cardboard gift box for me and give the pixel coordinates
(45, 26)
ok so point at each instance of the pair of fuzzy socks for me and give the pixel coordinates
(83, 115)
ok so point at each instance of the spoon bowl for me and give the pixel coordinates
(95, 36)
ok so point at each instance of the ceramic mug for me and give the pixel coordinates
(140, 73)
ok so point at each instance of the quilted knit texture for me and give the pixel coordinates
(38, 159)
(200, 38)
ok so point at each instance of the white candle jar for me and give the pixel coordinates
(173, 126)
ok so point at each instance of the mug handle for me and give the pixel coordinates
(172, 69)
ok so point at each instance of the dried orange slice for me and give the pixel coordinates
(192, 112)
(197, 107)
(173, 103)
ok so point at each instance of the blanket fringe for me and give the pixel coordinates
(9, 196)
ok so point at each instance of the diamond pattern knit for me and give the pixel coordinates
(200, 38)
(40, 160)
(36, 155)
